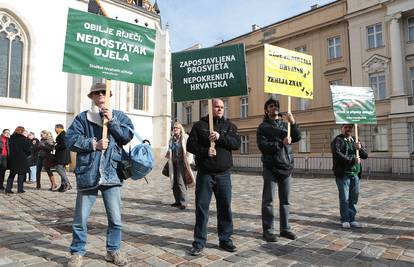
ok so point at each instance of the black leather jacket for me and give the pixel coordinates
(341, 160)
(276, 156)
(198, 144)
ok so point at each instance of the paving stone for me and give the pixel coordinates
(33, 232)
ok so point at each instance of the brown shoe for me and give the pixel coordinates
(116, 257)
(75, 260)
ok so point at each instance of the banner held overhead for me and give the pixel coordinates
(208, 73)
(288, 72)
(103, 47)
(353, 105)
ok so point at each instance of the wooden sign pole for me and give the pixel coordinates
(210, 121)
(289, 110)
(356, 140)
(107, 105)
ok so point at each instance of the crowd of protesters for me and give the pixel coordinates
(25, 156)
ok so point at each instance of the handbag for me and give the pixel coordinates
(49, 161)
(139, 161)
(166, 170)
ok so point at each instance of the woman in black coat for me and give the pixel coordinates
(19, 151)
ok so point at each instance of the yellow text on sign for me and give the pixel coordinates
(288, 72)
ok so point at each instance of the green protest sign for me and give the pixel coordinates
(108, 48)
(208, 73)
(353, 105)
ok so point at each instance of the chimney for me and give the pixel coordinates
(314, 6)
(255, 27)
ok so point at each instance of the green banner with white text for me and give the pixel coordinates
(353, 105)
(208, 73)
(103, 47)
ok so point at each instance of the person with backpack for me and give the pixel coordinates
(97, 163)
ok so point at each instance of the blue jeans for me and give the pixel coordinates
(206, 185)
(32, 176)
(348, 188)
(60, 169)
(269, 185)
(84, 201)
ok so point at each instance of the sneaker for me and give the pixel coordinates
(355, 224)
(75, 260)
(195, 251)
(269, 237)
(346, 225)
(116, 257)
(182, 207)
(175, 204)
(288, 234)
(228, 246)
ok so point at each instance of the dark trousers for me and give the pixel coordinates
(3, 167)
(269, 185)
(206, 185)
(39, 167)
(179, 187)
(20, 181)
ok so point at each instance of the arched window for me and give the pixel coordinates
(13, 43)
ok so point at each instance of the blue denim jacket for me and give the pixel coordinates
(90, 171)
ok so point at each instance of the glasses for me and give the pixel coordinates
(272, 106)
(99, 92)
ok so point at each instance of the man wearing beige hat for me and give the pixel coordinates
(97, 161)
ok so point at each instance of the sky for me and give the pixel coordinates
(209, 22)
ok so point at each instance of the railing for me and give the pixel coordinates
(373, 166)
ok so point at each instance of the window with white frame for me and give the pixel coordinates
(377, 83)
(412, 80)
(188, 114)
(380, 138)
(13, 44)
(244, 107)
(301, 49)
(140, 97)
(410, 23)
(244, 147)
(334, 47)
(374, 36)
(226, 108)
(303, 104)
(203, 108)
(304, 143)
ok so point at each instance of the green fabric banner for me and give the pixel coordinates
(353, 105)
(208, 73)
(103, 47)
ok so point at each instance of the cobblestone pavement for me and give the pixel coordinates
(35, 227)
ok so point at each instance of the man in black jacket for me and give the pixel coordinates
(347, 170)
(277, 159)
(213, 175)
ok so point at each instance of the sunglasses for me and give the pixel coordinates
(99, 92)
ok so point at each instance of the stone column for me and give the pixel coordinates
(396, 56)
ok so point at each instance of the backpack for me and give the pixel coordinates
(139, 161)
